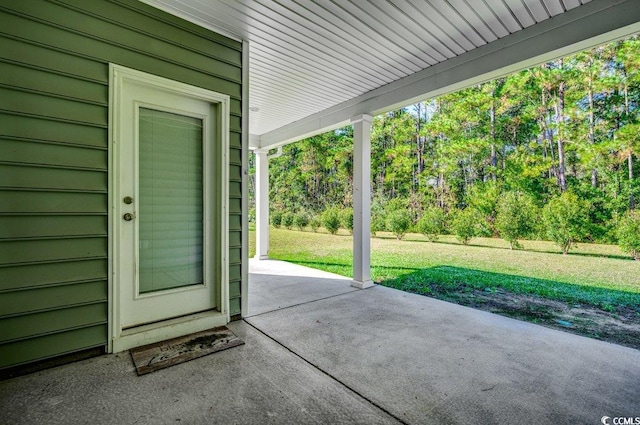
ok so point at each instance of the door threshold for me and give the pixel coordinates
(167, 329)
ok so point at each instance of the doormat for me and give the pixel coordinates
(152, 357)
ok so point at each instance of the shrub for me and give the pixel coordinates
(346, 219)
(467, 224)
(628, 233)
(397, 204)
(377, 223)
(566, 219)
(276, 219)
(301, 220)
(315, 223)
(287, 220)
(484, 198)
(378, 204)
(516, 217)
(399, 222)
(432, 223)
(331, 220)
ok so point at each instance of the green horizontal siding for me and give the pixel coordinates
(52, 61)
(235, 222)
(39, 226)
(51, 202)
(235, 256)
(235, 206)
(234, 289)
(117, 27)
(148, 57)
(54, 103)
(44, 129)
(55, 108)
(234, 239)
(40, 323)
(235, 140)
(52, 154)
(51, 345)
(235, 272)
(25, 276)
(235, 123)
(46, 82)
(235, 172)
(153, 22)
(41, 177)
(40, 250)
(235, 156)
(235, 189)
(18, 303)
(235, 306)
(236, 107)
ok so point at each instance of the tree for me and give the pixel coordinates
(467, 224)
(301, 220)
(276, 218)
(484, 198)
(590, 67)
(566, 220)
(331, 220)
(516, 217)
(346, 219)
(628, 61)
(398, 222)
(629, 234)
(287, 220)
(378, 223)
(558, 73)
(315, 223)
(432, 223)
(628, 147)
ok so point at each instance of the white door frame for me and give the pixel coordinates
(119, 339)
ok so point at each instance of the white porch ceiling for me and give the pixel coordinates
(310, 59)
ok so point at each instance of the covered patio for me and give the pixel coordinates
(319, 348)
(331, 353)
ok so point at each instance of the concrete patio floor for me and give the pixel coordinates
(319, 351)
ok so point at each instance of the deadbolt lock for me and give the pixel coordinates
(127, 217)
(128, 200)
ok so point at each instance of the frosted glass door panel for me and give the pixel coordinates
(170, 212)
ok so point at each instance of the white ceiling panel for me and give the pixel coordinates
(308, 56)
(521, 12)
(539, 10)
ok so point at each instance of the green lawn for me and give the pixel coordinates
(598, 275)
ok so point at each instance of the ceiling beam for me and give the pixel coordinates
(597, 22)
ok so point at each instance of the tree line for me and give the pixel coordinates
(550, 152)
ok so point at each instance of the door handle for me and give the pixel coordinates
(127, 217)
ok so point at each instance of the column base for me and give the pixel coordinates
(362, 285)
(261, 257)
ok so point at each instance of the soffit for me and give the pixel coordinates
(308, 56)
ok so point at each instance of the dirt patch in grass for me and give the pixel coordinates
(621, 326)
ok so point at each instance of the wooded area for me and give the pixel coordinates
(554, 148)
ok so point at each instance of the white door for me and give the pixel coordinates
(168, 204)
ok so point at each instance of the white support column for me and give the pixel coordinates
(262, 204)
(361, 201)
